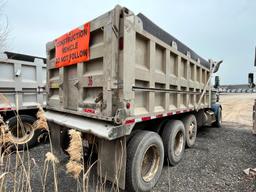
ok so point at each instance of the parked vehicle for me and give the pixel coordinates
(251, 86)
(141, 95)
(239, 90)
(22, 81)
(249, 90)
(224, 90)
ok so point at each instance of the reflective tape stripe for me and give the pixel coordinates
(146, 118)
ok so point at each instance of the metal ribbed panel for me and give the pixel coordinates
(153, 29)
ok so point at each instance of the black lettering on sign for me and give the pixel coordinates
(73, 47)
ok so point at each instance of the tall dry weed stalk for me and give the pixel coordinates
(75, 151)
(20, 170)
(50, 158)
(21, 167)
(41, 122)
(5, 135)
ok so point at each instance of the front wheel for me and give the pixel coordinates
(145, 157)
(218, 116)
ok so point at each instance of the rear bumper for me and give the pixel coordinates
(107, 144)
(99, 128)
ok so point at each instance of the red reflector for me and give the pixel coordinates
(6, 108)
(128, 105)
(145, 118)
(121, 43)
(129, 121)
(88, 110)
(159, 115)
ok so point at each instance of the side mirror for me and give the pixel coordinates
(217, 82)
(251, 80)
(216, 66)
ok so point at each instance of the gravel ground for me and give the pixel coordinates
(216, 163)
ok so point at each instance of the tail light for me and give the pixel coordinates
(121, 43)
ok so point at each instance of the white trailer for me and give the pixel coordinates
(22, 89)
(141, 94)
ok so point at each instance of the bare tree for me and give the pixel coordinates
(3, 27)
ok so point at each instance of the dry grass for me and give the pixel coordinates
(74, 168)
(41, 122)
(16, 166)
(75, 148)
(18, 163)
(4, 135)
(50, 158)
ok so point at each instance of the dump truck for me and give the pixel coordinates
(22, 90)
(134, 91)
(252, 85)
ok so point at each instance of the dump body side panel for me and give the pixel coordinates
(158, 79)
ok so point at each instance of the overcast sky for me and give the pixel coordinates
(218, 29)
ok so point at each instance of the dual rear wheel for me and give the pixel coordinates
(173, 136)
(147, 150)
(176, 135)
(145, 157)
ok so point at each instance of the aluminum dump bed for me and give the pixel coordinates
(135, 72)
(22, 79)
(133, 91)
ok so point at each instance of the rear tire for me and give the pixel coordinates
(25, 131)
(190, 124)
(145, 157)
(173, 136)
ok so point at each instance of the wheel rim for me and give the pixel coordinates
(150, 163)
(178, 145)
(191, 130)
(21, 133)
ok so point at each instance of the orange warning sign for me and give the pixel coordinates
(73, 47)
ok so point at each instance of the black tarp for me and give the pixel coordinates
(22, 57)
(156, 31)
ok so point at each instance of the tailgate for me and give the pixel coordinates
(86, 87)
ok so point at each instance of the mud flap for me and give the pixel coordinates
(56, 137)
(112, 161)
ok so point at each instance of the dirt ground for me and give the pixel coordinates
(215, 163)
(237, 108)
